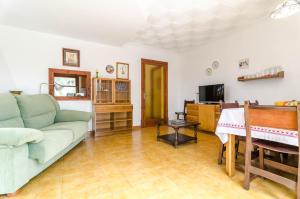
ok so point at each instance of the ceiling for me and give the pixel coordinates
(172, 24)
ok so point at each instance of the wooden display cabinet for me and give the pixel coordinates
(112, 108)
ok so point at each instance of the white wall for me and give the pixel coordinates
(266, 44)
(25, 57)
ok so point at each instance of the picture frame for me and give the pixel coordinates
(122, 70)
(71, 57)
(244, 63)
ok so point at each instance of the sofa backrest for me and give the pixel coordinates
(9, 112)
(37, 111)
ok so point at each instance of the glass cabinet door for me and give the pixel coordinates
(122, 90)
(104, 91)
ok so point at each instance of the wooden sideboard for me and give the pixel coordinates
(206, 114)
(109, 119)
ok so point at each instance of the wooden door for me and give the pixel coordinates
(154, 88)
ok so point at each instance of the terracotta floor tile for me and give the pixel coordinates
(137, 166)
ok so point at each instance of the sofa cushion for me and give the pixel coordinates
(9, 112)
(37, 111)
(53, 143)
(78, 128)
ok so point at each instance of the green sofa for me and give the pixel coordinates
(34, 133)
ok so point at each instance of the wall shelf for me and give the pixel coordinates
(278, 75)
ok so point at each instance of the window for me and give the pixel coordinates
(69, 84)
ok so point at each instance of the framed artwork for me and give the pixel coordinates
(244, 63)
(71, 57)
(122, 70)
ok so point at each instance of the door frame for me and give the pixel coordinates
(165, 66)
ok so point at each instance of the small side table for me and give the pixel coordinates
(177, 138)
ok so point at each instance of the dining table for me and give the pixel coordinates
(232, 123)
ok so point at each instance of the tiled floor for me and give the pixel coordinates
(137, 166)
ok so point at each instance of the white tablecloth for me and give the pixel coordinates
(232, 122)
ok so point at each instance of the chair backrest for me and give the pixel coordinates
(187, 102)
(272, 116)
(224, 105)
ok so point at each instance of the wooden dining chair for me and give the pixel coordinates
(273, 117)
(184, 109)
(242, 138)
(239, 139)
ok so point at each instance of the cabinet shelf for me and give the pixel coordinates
(122, 120)
(278, 75)
(104, 121)
(116, 120)
(109, 130)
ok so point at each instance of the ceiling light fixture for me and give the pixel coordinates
(286, 9)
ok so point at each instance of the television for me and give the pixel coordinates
(211, 93)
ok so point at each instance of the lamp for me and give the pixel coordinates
(57, 86)
(286, 9)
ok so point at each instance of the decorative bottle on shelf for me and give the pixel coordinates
(97, 74)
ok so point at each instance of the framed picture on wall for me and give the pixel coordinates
(244, 63)
(71, 57)
(122, 70)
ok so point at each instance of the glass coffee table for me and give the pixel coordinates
(177, 138)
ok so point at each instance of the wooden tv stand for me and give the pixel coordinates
(206, 114)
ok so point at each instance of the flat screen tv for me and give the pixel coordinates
(211, 93)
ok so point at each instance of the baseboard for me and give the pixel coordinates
(91, 133)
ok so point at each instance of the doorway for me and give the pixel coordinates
(154, 93)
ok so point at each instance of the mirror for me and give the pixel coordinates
(69, 85)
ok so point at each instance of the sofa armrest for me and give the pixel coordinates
(72, 116)
(19, 136)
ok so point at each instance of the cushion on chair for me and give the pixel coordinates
(53, 143)
(78, 128)
(180, 113)
(37, 111)
(9, 112)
